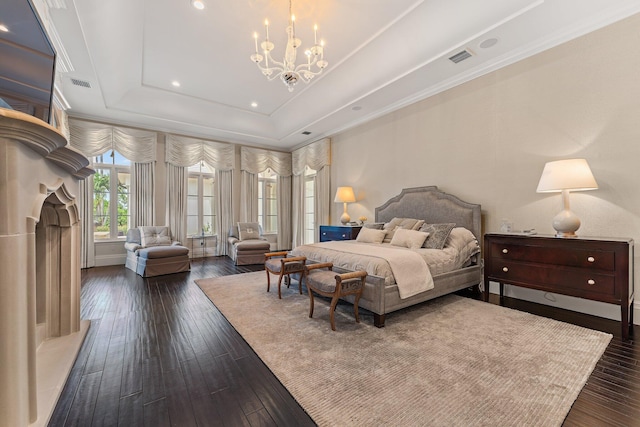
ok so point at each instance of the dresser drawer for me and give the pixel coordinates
(593, 259)
(335, 235)
(563, 280)
(337, 232)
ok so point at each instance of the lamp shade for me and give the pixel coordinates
(344, 195)
(572, 174)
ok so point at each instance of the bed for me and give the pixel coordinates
(381, 294)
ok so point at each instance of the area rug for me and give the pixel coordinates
(452, 361)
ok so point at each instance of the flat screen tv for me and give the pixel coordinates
(27, 60)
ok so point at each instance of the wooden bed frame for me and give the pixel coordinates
(433, 206)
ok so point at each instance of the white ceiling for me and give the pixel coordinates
(382, 54)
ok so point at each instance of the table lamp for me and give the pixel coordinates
(345, 195)
(565, 176)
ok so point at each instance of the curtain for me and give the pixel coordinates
(284, 212)
(182, 152)
(297, 211)
(323, 199)
(176, 213)
(142, 197)
(254, 161)
(138, 146)
(248, 196)
(85, 211)
(93, 139)
(224, 208)
(318, 157)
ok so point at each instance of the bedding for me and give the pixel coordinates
(408, 269)
(453, 267)
(460, 248)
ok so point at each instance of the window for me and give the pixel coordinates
(309, 205)
(112, 181)
(201, 203)
(267, 201)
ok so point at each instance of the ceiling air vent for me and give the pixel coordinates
(306, 132)
(81, 83)
(461, 56)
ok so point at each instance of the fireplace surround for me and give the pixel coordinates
(40, 327)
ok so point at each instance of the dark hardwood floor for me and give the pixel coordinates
(159, 353)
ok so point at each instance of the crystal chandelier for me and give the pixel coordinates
(287, 70)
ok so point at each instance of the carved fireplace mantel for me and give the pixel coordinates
(40, 265)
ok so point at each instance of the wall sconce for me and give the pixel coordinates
(345, 195)
(564, 176)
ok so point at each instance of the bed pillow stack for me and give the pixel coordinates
(400, 224)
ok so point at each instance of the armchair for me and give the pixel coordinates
(246, 245)
(151, 252)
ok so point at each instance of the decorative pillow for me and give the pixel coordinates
(418, 224)
(370, 235)
(438, 234)
(397, 223)
(248, 230)
(154, 235)
(411, 239)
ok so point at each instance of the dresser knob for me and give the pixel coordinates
(591, 259)
(591, 282)
(344, 235)
(505, 251)
(505, 269)
(324, 234)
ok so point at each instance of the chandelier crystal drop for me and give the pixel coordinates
(287, 70)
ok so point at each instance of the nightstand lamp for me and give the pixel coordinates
(345, 195)
(565, 176)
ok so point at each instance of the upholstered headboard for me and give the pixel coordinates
(433, 206)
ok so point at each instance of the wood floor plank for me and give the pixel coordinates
(81, 411)
(131, 412)
(182, 363)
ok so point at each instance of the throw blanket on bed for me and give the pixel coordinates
(409, 269)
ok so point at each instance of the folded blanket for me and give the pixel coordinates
(409, 269)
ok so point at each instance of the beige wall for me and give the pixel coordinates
(488, 140)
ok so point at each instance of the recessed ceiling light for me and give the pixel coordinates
(254, 104)
(4, 28)
(198, 4)
(175, 83)
(485, 44)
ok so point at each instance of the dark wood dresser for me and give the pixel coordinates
(338, 232)
(598, 269)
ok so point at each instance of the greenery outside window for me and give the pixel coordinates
(111, 182)
(201, 206)
(309, 205)
(267, 201)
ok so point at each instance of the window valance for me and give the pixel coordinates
(255, 160)
(184, 151)
(316, 155)
(93, 139)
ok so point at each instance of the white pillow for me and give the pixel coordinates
(411, 239)
(370, 235)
